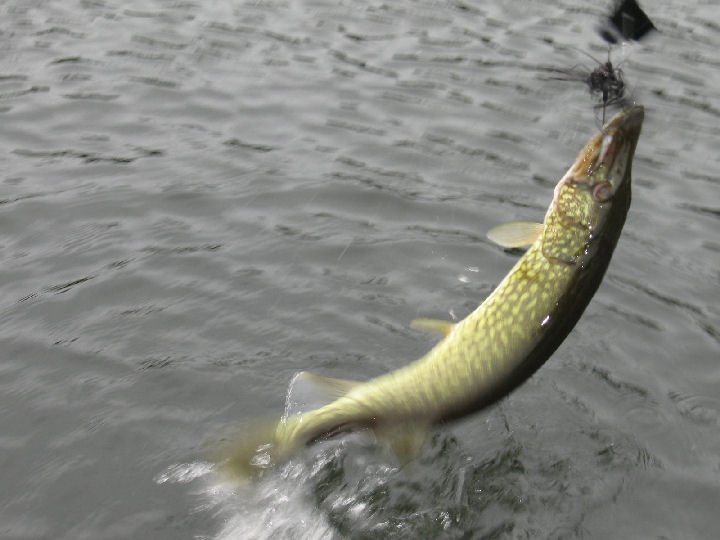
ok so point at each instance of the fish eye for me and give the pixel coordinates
(602, 191)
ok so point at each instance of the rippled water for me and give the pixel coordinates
(199, 199)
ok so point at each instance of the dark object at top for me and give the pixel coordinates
(627, 21)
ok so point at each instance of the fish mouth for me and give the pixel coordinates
(605, 161)
(617, 141)
(628, 121)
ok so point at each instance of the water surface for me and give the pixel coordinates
(199, 199)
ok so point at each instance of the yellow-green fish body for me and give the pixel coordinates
(507, 338)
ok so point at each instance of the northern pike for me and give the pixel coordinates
(499, 345)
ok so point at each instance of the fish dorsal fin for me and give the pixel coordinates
(308, 391)
(434, 325)
(405, 440)
(516, 234)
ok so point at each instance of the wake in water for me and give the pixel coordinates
(281, 504)
(276, 507)
(350, 487)
(345, 488)
(524, 483)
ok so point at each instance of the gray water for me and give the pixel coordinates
(198, 199)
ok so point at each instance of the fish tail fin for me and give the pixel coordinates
(260, 445)
(243, 455)
(307, 390)
(309, 415)
(404, 441)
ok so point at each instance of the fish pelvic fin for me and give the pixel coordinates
(434, 325)
(517, 234)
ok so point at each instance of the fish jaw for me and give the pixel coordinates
(605, 162)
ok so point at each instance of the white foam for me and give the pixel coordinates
(276, 507)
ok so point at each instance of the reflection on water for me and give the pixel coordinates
(198, 200)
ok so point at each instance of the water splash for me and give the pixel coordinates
(278, 506)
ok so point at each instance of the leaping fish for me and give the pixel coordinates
(496, 347)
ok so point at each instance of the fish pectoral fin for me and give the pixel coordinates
(516, 234)
(308, 391)
(404, 440)
(435, 325)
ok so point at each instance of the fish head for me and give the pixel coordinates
(584, 196)
(604, 163)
